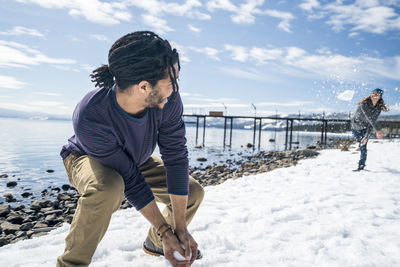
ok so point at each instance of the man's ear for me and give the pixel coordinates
(144, 86)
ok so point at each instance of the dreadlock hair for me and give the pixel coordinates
(381, 104)
(135, 57)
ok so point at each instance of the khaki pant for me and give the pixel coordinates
(102, 191)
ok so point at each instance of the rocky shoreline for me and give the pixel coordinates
(58, 205)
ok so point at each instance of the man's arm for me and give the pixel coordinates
(172, 144)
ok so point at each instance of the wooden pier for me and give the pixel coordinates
(258, 120)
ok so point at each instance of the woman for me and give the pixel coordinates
(365, 119)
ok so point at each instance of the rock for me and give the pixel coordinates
(65, 187)
(15, 218)
(201, 159)
(29, 211)
(50, 218)
(38, 234)
(3, 176)
(56, 212)
(249, 145)
(40, 225)
(35, 205)
(26, 194)
(69, 218)
(17, 239)
(198, 146)
(11, 184)
(19, 207)
(56, 189)
(44, 203)
(49, 171)
(9, 197)
(26, 226)
(9, 228)
(309, 153)
(19, 234)
(4, 241)
(4, 210)
(311, 147)
(45, 210)
(63, 196)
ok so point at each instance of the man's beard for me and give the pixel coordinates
(154, 99)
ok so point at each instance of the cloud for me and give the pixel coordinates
(19, 30)
(155, 10)
(158, 24)
(194, 29)
(99, 37)
(249, 74)
(285, 16)
(42, 106)
(209, 51)
(182, 52)
(186, 94)
(308, 5)
(285, 104)
(47, 93)
(297, 62)
(245, 13)
(106, 13)
(16, 55)
(11, 83)
(361, 16)
(239, 53)
(346, 95)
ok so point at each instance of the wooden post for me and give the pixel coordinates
(224, 130)
(287, 132)
(197, 128)
(254, 133)
(230, 138)
(326, 132)
(291, 134)
(259, 136)
(204, 130)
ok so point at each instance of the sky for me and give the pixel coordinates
(242, 57)
(311, 214)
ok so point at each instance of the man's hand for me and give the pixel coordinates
(379, 134)
(170, 243)
(364, 141)
(189, 243)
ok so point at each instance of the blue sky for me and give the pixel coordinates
(290, 56)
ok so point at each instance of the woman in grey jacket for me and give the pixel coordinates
(364, 121)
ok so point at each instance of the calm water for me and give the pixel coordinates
(30, 147)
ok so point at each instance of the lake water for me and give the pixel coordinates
(30, 147)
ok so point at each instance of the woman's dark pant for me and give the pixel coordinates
(359, 135)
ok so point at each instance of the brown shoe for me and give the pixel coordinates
(151, 249)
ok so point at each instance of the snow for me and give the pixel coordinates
(346, 95)
(318, 213)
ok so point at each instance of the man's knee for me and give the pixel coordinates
(110, 193)
(196, 191)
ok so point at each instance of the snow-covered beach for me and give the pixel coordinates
(317, 213)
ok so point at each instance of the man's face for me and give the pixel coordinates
(158, 96)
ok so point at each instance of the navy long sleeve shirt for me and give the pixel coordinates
(120, 141)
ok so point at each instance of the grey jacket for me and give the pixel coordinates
(365, 117)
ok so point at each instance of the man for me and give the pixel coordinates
(116, 130)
